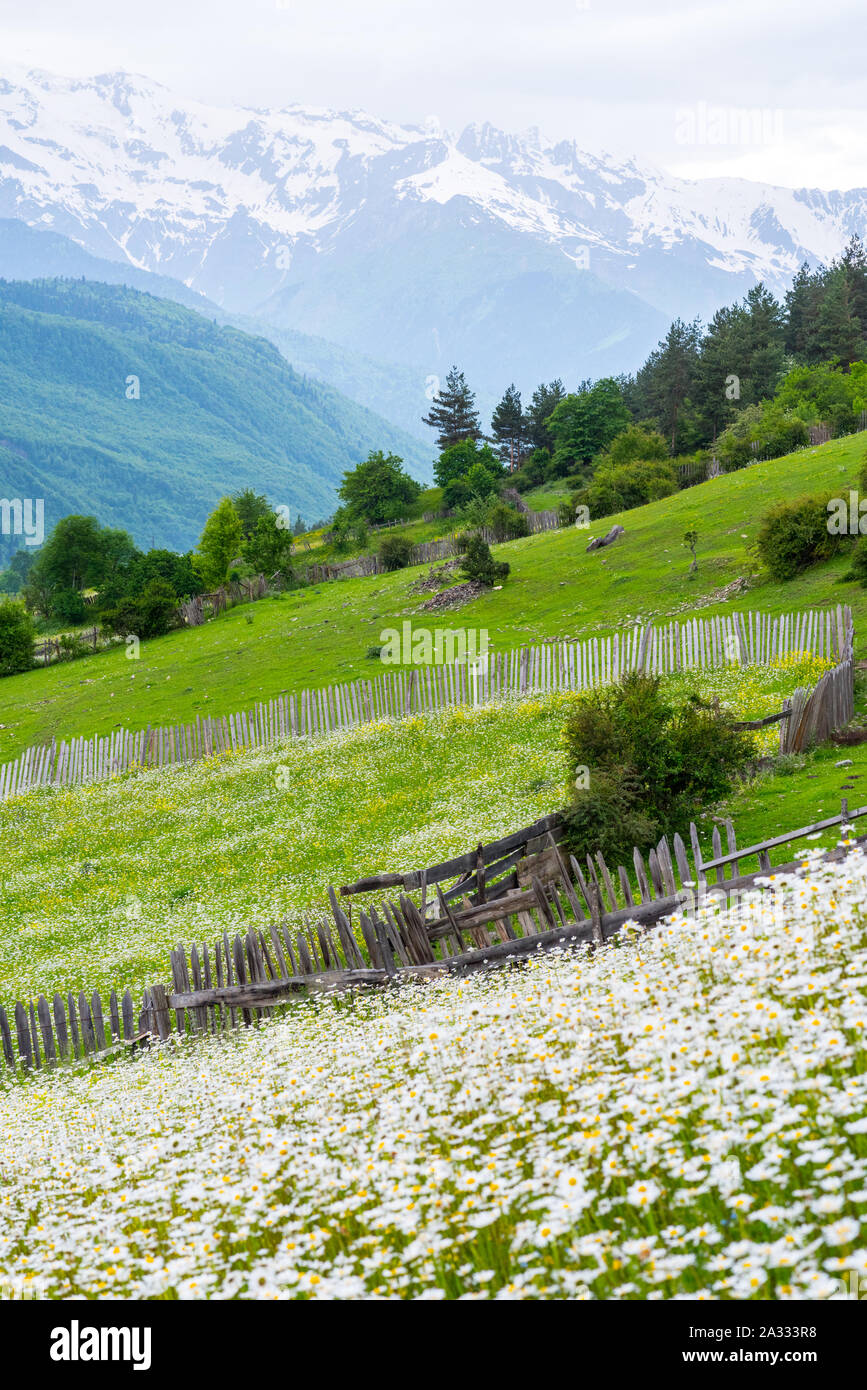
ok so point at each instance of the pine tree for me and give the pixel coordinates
(762, 345)
(799, 304)
(670, 374)
(838, 331)
(453, 412)
(854, 261)
(543, 403)
(509, 428)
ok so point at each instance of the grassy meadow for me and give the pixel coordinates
(103, 880)
(318, 636)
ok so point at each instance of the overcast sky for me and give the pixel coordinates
(664, 80)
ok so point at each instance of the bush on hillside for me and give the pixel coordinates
(794, 535)
(652, 765)
(858, 568)
(17, 635)
(395, 552)
(152, 614)
(617, 487)
(507, 523)
(479, 564)
(67, 606)
(766, 431)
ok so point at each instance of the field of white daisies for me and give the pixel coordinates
(682, 1114)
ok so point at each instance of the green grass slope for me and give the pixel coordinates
(218, 410)
(320, 636)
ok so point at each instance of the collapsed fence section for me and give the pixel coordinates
(512, 898)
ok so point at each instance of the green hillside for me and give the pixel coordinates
(321, 635)
(217, 410)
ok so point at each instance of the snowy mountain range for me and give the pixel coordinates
(517, 257)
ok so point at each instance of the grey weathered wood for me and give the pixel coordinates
(161, 1019)
(732, 845)
(114, 1015)
(462, 863)
(127, 1016)
(34, 1035)
(304, 956)
(641, 876)
(98, 1022)
(748, 850)
(716, 843)
(655, 873)
(344, 931)
(73, 1024)
(6, 1038)
(22, 1031)
(683, 869)
(43, 1012)
(596, 915)
(607, 880)
(625, 886)
(87, 1037)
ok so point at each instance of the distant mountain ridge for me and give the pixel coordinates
(139, 411)
(516, 256)
(33, 253)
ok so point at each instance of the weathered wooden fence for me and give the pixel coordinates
(517, 896)
(426, 553)
(815, 714)
(751, 638)
(192, 612)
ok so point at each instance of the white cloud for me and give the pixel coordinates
(612, 75)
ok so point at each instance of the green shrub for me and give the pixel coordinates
(507, 523)
(395, 552)
(457, 493)
(479, 564)
(67, 606)
(17, 635)
(72, 647)
(652, 765)
(795, 535)
(858, 568)
(158, 609)
(618, 487)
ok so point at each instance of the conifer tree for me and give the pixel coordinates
(543, 403)
(508, 428)
(453, 412)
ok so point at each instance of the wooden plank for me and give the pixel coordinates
(625, 886)
(22, 1033)
(87, 1036)
(6, 1038)
(98, 1023)
(127, 1016)
(641, 876)
(43, 1013)
(60, 1027)
(114, 1014)
(73, 1024)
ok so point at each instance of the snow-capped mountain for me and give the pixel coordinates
(517, 257)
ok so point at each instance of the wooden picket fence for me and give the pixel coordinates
(511, 898)
(751, 638)
(426, 553)
(815, 714)
(192, 612)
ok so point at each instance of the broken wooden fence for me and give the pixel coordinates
(511, 898)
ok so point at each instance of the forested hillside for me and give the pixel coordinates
(121, 404)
